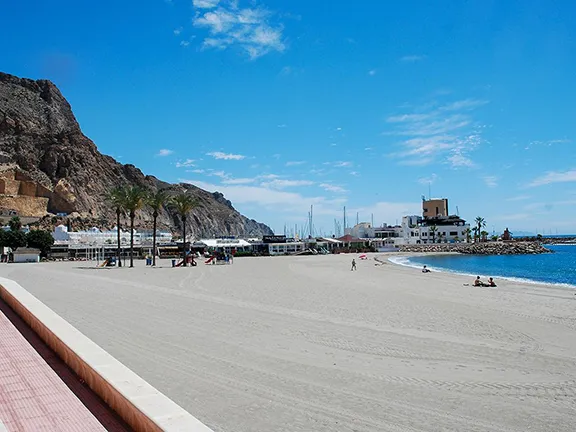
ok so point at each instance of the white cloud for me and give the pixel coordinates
(339, 164)
(463, 105)
(251, 29)
(282, 183)
(282, 126)
(184, 43)
(372, 72)
(178, 31)
(197, 171)
(164, 152)
(292, 203)
(447, 132)
(332, 188)
(295, 163)
(220, 174)
(205, 4)
(238, 181)
(490, 181)
(386, 212)
(185, 164)
(428, 180)
(554, 177)
(226, 156)
(412, 58)
(519, 198)
(512, 217)
(458, 160)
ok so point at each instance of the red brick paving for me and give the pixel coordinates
(38, 392)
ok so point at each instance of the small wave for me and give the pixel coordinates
(405, 261)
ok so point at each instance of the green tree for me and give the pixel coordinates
(494, 238)
(116, 199)
(40, 239)
(480, 223)
(484, 235)
(15, 239)
(156, 201)
(15, 224)
(468, 234)
(133, 199)
(183, 204)
(433, 230)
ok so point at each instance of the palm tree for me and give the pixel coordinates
(15, 224)
(467, 233)
(433, 230)
(156, 201)
(133, 200)
(184, 203)
(475, 231)
(116, 198)
(480, 223)
(484, 235)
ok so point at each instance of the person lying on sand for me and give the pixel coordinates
(425, 269)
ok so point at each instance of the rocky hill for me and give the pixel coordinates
(48, 166)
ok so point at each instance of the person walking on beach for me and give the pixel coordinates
(353, 265)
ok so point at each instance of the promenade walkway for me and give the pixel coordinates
(38, 393)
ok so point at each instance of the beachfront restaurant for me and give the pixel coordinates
(289, 248)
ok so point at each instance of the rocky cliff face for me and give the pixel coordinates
(42, 143)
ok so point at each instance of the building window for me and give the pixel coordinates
(453, 233)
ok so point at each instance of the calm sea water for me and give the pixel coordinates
(557, 268)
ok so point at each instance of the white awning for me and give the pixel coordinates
(229, 243)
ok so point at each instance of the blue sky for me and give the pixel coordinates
(282, 105)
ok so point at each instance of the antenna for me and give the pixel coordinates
(311, 218)
(430, 190)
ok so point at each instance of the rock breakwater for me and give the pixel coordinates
(486, 248)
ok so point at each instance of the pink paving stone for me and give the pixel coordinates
(32, 396)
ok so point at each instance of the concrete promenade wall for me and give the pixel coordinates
(139, 404)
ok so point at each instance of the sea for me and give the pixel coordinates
(558, 268)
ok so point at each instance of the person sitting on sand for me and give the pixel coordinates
(478, 282)
(425, 270)
(491, 283)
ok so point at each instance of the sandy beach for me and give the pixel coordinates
(304, 344)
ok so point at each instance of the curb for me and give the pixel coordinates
(139, 404)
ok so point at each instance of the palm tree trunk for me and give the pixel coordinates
(132, 216)
(118, 251)
(154, 240)
(184, 239)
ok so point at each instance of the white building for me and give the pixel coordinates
(26, 255)
(444, 229)
(365, 230)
